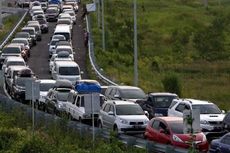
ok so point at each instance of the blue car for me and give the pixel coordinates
(221, 145)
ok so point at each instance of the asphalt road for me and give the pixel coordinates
(38, 60)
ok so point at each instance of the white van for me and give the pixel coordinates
(63, 30)
(68, 70)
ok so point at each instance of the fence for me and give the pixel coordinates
(45, 119)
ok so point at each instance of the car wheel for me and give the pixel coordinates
(115, 129)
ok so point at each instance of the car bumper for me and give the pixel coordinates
(132, 129)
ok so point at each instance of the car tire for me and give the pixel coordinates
(115, 129)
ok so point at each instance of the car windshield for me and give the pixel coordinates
(66, 35)
(69, 70)
(58, 50)
(162, 101)
(177, 127)
(18, 63)
(25, 42)
(129, 110)
(62, 95)
(22, 35)
(132, 94)
(11, 50)
(53, 42)
(30, 31)
(42, 21)
(51, 11)
(64, 22)
(46, 86)
(207, 109)
(20, 81)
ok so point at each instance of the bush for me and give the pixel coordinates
(172, 84)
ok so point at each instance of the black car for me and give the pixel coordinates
(157, 104)
(226, 122)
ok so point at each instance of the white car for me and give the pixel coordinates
(66, 22)
(52, 45)
(12, 61)
(72, 14)
(211, 116)
(22, 40)
(68, 49)
(68, 70)
(62, 56)
(123, 117)
(45, 86)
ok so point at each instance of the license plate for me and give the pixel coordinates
(136, 126)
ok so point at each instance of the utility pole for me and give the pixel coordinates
(135, 43)
(99, 13)
(1, 25)
(103, 25)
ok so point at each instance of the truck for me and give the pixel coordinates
(83, 103)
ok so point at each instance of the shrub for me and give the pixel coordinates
(172, 84)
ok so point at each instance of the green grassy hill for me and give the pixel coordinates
(176, 37)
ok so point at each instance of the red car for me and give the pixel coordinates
(169, 130)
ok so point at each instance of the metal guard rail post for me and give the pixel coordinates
(91, 54)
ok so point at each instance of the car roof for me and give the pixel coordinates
(121, 102)
(14, 58)
(66, 63)
(47, 81)
(12, 45)
(64, 46)
(24, 28)
(170, 118)
(162, 94)
(124, 87)
(25, 39)
(195, 101)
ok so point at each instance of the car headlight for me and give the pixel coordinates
(123, 121)
(146, 121)
(177, 139)
(204, 122)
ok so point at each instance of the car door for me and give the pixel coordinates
(225, 144)
(179, 110)
(111, 118)
(75, 108)
(104, 114)
(152, 133)
(163, 133)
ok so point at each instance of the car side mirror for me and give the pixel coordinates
(82, 72)
(111, 113)
(223, 111)
(48, 44)
(147, 113)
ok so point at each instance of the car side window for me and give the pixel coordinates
(78, 102)
(172, 104)
(162, 126)
(111, 109)
(155, 124)
(180, 107)
(112, 93)
(82, 101)
(226, 140)
(106, 108)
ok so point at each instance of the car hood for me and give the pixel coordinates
(212, 117)
(187, 137)
(134, 117)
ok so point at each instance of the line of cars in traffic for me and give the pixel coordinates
(123, 109)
